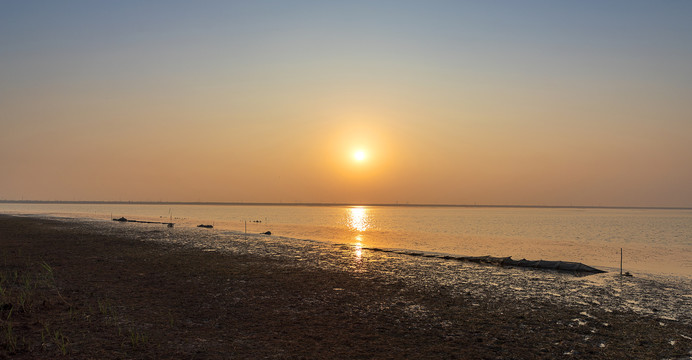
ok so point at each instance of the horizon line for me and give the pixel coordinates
(241, 203)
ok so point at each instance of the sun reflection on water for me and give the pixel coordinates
(358, 219)
(358, 248)
(358, 252)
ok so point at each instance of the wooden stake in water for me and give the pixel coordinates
(246, 226)
(620, 261)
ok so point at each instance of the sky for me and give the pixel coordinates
(447, 102)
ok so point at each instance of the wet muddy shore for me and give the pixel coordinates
(99, 290)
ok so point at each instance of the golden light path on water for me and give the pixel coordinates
(358, 219)
(359, 222)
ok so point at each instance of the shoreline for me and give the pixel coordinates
(142, 291)
(641, 258)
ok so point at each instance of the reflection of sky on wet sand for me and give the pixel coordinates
(650, 295)
(358, 252)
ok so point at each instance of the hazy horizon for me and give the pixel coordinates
(492, 103)
(341, 204)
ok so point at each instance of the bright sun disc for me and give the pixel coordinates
(359, 155)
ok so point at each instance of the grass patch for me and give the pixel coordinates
(10, 338)
(138, 338)
(24, 292)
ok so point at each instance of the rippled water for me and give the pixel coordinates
(653, 241)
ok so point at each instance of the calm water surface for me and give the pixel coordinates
(654, 241)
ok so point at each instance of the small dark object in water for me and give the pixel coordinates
(627, 273)
(266, 233)
(123, 219)
(206, 226)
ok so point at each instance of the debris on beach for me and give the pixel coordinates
(123, 219)
(205, 226)
(555, 265)
(575, 267)
(266, 233)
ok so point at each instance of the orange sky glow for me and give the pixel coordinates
(450, 103)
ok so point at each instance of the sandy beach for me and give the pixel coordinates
(111, 291)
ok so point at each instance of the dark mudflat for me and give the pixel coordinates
(71, 293)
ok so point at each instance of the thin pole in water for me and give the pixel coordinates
(620, 261)
(246, 226)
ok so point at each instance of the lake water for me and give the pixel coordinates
(653, 241)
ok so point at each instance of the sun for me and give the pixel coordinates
(360, 155)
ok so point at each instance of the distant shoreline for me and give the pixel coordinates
(215, 203)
